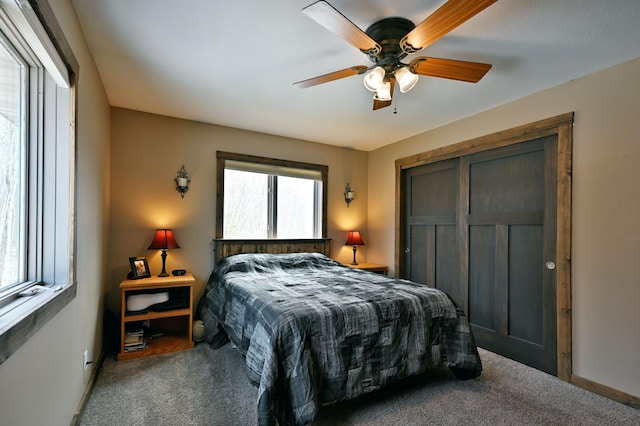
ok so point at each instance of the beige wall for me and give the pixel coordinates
(42, 383)
(606, 201)
(147, 151)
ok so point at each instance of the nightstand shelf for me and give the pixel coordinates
(371, 267)
(156, 315)
(172, 328)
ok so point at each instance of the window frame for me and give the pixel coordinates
(31, 28)
(222, 157)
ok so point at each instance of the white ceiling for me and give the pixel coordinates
(233, 63)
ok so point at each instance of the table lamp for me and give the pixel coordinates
(163, 240)
(354, 239)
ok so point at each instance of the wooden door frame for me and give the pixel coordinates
(562, 126)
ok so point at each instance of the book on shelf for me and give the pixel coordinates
(130, 339)
(134, 340)
(135, 348)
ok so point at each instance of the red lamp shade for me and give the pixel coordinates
(163, 240)
(354, 239)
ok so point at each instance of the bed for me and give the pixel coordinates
(315, 332)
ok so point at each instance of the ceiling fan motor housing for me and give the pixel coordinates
(387, 33)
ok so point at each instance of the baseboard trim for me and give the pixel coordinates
(87, 391)
(606, 391)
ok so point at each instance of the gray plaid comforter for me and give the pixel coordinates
(315, 332)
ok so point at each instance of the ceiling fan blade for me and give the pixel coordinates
(329, 17)
(471, 72)
(336, 75)
(452, 14)
(377, 104)
(380, 104)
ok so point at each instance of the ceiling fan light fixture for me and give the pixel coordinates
(406, 79)
(384, 92)
(374, 79)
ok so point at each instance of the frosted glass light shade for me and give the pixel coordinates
(406, 79)
(374, 78)
(384, 92)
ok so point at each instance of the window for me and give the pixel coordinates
(13, 166)
(263, 198)
(36, 171)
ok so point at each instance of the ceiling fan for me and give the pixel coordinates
(387, 41)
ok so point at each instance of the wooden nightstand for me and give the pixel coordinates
(371, 267)
(165, 330)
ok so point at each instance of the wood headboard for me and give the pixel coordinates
(224, 247)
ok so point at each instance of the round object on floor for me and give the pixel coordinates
(198, 330)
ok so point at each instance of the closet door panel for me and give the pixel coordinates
(421, 244)
(482, 279)
(446, 263)
(525, 278)
(507, 185)
(430, 235)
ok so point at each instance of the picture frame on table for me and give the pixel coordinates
(139, 268)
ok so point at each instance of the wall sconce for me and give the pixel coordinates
(348, 194)
(182, 181)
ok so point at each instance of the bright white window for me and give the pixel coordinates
(13, 149)
(246, 204)
(37, 160)
(299, 208)
(271, 199)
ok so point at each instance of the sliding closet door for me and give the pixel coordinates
(511, 236)
(482, 227)
(431, 204)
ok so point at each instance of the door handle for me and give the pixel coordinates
(406, 250)
(550, 265)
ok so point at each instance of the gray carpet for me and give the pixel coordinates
(209, 387)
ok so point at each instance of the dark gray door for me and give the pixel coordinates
(482, 228)
(431, 228)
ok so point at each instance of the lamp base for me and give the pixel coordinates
(164, 259)
(354, 255)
